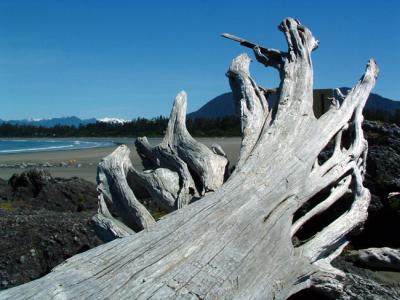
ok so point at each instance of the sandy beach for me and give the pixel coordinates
(83, 162)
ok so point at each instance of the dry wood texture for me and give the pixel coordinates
(240, 240)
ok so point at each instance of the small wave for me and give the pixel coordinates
(14, 140)
(35, 149)
(49, 145)
(90, 145)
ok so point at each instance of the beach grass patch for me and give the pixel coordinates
(158, 214)
(7, 205)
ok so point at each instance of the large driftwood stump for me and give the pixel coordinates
(239, 241)
(178, 171)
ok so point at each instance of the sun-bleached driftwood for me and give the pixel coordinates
(208, 167)
(200, 169)
(254, 112)
(107, 227)
(165, 157)
(113, 188)
(178, 170)
(236, 243)
(161, 184)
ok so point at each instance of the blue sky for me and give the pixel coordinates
(130, 58)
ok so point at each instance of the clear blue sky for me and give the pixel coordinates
(130, 58)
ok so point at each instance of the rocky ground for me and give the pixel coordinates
(44, 220)
(382, 178)
(46, 164)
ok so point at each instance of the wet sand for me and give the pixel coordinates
(83, 163)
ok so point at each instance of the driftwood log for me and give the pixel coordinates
(240, 241)
(178, 170)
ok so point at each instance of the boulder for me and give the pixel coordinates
(384, 258)
(37, 189)
(382, 179)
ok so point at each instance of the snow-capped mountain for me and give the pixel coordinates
(64, 121)
(112, 120)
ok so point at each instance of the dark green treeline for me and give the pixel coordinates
(226, 126)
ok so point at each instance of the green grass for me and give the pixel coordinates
(7, 205)
(157, 215)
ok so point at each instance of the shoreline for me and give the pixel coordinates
(83, 162)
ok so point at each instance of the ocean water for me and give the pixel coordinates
(8, 146)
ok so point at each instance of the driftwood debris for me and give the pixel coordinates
(240, 241)
(178, 171)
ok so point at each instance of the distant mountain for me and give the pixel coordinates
(376, 102)
(223, 105)
(64, 121)
(113, 120)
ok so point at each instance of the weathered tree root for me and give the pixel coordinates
(114, 189)
(236, 243)
(177, 170)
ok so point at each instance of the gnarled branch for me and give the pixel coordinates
(113, 186)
